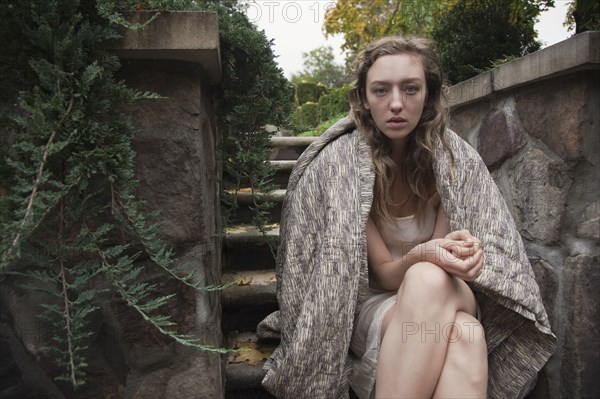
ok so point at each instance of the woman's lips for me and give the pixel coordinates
(396, 122)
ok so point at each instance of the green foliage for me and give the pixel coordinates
(334, 103)
(311, 115)
(475, 33)
(306, 116)
(67, 164)
(323, 126)
(362, 21)
(319, 67)
(309, 92)
(583, 15)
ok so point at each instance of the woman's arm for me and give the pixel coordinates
(441, 224)
(388, 272)
(458, 253)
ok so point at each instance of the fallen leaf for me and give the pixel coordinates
(245, 281)
(249, 353)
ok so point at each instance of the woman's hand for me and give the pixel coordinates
(470, 251)
(462, 235)
(459, 254)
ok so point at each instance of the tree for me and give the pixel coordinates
(476, 33)
(320, 67)
(583, 15)
(361, 21)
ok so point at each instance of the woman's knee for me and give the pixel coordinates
(427, 280)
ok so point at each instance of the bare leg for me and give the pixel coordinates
(412, 349)
(465, 370)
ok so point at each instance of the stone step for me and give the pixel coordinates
(289, 147)
(283, 165)
(292, 141)
(283, 170)
(255, 287)
(245, 248)
(245, 234)
(250, 299)
(245, 196)
(244, 371)
(248, 262)
(245, 201)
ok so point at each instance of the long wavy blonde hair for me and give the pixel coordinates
(417, 167)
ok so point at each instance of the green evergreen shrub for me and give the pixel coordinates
(334, 103)
(323, 126)
(305, 92)
(309, 92)
(306, 116)
(322, 89)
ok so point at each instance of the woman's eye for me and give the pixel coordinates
(379, 90)
(411, 89)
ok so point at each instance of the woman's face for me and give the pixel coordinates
(396, 93)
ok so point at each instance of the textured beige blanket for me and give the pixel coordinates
(322, 275)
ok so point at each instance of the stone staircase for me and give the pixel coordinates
(249, 264)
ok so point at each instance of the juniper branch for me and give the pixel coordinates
(157, 321)
(183, 339)
(67, 311)
(37, 182)
(130, 220)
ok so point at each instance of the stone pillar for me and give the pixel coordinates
(177, 57)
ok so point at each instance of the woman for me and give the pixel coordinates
(381, 256)
(397, 105)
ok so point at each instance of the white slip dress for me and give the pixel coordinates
(400, 236)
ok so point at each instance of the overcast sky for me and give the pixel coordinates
(296, 27)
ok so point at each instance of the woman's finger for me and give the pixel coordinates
(476, 270)
(466, 249)
(461, 235)
(467, 269)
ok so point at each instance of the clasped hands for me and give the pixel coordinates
(458, 253)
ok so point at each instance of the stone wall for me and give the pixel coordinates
(535, 123)
(176, 165)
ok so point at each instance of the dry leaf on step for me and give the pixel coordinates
(245, 281)
(249, 353)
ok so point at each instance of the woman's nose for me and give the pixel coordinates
(397, 102)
